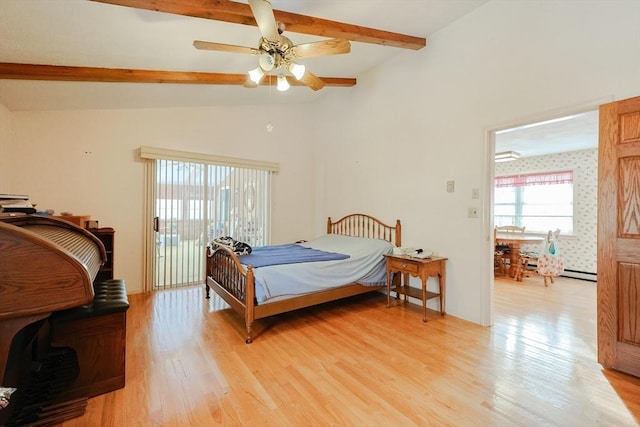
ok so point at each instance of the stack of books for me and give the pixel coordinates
(15, 203)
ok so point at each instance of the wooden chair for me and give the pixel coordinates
(528, 262)
(509, 229)
(498, 256)
(507, 258)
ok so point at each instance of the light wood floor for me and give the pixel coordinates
(357, 363)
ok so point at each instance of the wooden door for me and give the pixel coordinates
(619, 236)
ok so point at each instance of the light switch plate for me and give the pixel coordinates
(451, 186)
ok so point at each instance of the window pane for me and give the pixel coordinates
(168, 208)
(536, 207)
(503, 210)
(195, 209)
(504, 195)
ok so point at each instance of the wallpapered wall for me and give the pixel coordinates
(580, 249)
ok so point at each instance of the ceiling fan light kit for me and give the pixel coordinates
(277, 53)
(256, 75)
(266, 61)
(283, 83)
(297, 70)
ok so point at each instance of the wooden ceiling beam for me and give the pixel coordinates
(16, 71)
(240, 13)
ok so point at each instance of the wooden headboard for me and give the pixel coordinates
(362, 225)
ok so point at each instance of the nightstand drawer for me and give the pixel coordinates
(404, 266)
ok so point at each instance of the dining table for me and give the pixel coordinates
(515, 241)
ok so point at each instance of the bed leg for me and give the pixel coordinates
(248, 340)
(207, 291)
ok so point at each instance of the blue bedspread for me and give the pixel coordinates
(363, 263)
(287, 254)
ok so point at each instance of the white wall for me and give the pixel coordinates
(423, 119)
(5, 143)
(87, 162)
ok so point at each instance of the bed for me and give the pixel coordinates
(243, 287)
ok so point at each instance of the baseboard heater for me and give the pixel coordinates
(582, 275)
(575, 274)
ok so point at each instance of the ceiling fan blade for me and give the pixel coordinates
(263, 13)
(198, 44)
(312, 81)
(322, 48)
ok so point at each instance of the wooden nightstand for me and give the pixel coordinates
(421, 268)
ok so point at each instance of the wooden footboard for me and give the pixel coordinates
(235, 283)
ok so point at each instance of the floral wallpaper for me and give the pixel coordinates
(579, 249)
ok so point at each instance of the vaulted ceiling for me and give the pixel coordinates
(60, 54)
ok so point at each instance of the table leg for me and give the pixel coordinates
(514, 257)
(424, 299)
(442, 284)
(388, 288)
(405, 282)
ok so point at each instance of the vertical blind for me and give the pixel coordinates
(194, 198)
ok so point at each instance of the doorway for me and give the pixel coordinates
(546, 143)
(550, 183)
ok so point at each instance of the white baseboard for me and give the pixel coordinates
(582, 275)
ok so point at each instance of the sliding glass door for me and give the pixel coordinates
(198, 202)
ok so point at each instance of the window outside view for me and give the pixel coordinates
(538, 202)
(196, 203)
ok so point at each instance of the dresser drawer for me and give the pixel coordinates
(403, 265)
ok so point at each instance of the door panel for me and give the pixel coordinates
(619, 236)
(628, 294)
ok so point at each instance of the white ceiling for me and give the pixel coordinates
(563, 134)
(85, 33)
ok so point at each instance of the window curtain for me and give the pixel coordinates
(544, 178)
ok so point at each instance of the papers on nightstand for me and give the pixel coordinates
(413, 252)
(422, 254)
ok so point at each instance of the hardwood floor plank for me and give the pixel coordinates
(357, 362)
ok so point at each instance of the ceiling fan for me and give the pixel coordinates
(277, 53)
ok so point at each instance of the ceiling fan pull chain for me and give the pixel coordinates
(269, 124)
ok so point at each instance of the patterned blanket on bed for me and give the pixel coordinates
(240, 248)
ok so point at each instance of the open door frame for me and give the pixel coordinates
(488, 175)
